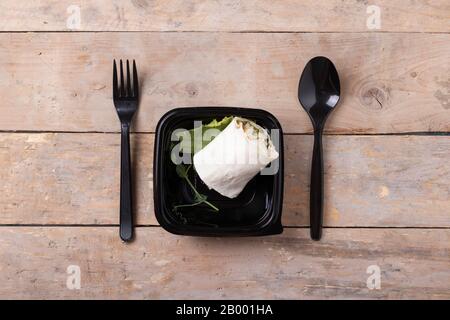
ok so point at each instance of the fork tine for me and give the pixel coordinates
(122, 83)
(115, 86)
(135, 81)
(129, 94)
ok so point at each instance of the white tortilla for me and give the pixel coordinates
(234, 157)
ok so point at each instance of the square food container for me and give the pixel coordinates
(255, 212)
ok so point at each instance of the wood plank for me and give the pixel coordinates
(226, 15)
(71, 178)
(382, 181)
(414, 264)
(62, 82)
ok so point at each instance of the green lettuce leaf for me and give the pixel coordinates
(197, 137)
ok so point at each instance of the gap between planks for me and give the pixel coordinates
(225, 32)
(414, 133)
(158, 226)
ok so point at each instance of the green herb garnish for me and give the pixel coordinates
(183, 172)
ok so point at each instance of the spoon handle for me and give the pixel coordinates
(316, 191)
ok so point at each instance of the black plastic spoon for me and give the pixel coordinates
(318, 92)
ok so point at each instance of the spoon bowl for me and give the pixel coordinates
(319, 89)
(318, 92)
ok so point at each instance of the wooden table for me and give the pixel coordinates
(387, 148)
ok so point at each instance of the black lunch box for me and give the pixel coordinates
(255, 212)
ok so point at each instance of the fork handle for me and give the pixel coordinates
(126, 213)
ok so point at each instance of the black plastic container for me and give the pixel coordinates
(255, 212)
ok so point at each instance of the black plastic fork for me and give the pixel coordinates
(126, 99)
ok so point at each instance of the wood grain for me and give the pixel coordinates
(390, 83)
(225, 15)
(382, 181)
(414, 264)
